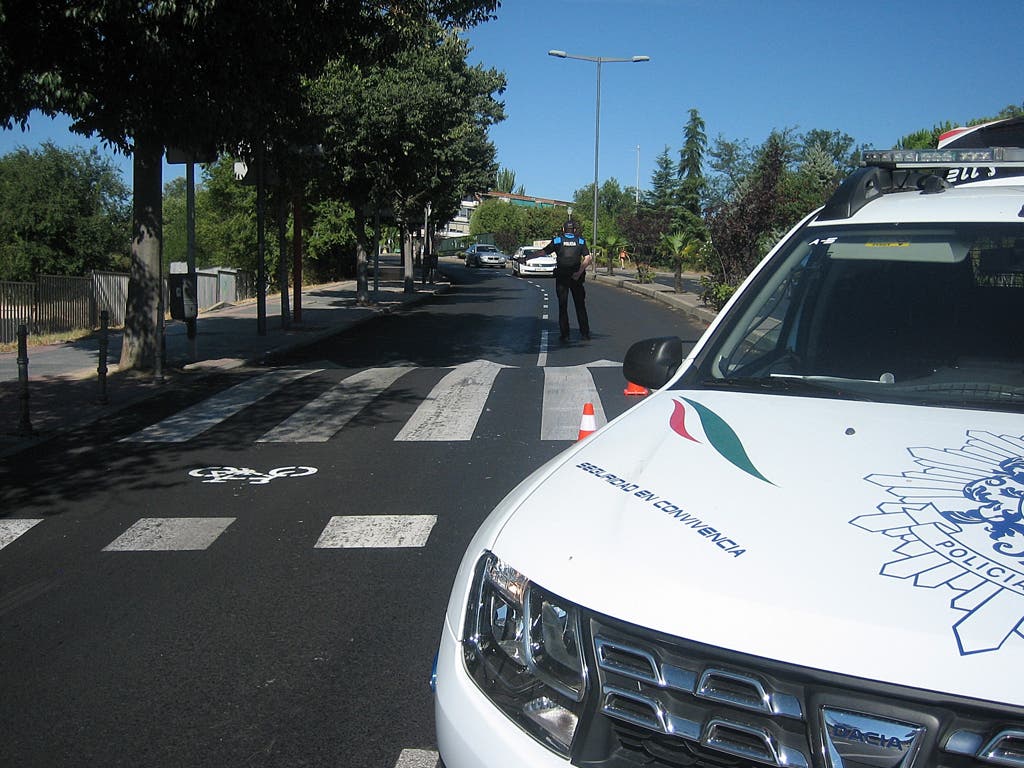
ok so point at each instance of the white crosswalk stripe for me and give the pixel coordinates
(566, 390)
(12, 529)
(192, 422)
(450, 412)
(324, 417)
(376, 531)
(418, 758)
(170, 534)
(453, 408)
(184, 534)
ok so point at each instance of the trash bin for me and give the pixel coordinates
(183, 294)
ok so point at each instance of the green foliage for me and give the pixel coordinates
(507, 222)
(739, 227)
(331, 242)
(643, 230)
(715, 293)
(692, 183)
(226, 221)
(928, 138)
(613, 202)
(406, 132)
(62, 212)
(664, 191)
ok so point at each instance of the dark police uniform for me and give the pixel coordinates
(570, 250)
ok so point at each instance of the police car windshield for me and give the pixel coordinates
(924, 314)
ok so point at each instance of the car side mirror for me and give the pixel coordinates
(652, 362)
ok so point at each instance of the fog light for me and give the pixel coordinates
(558, 721)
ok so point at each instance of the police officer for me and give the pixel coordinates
(572, 259)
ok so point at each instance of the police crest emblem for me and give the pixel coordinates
(959, 522)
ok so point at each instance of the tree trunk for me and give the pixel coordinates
(407, 266)
(363, 245)
(141, 344)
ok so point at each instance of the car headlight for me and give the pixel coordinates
(522, 646)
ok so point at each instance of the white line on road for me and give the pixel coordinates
(376, 531)
(542, 357)
(170, 533)
(418, 758)
(192, 422)
(453, 407)
(323, 418)
(12, 529)
(566, 391)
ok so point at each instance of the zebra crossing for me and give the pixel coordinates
(450, 412)
(185, 534)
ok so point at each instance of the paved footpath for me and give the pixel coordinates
(64, 384)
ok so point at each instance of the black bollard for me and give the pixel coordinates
(102, 369)
(25, 423)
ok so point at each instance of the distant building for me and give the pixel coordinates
(459, 226)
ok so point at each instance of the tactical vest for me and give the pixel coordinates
(569, 251)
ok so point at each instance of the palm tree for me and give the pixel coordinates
(613, 243)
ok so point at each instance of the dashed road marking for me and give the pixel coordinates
(170, 534)
(418, 758)
(12, 529)
(376, 531)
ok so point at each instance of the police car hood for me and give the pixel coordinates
(858, 538)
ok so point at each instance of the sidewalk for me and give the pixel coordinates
(687, 302)
(64, 385)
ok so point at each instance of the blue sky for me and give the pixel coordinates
(875, 69)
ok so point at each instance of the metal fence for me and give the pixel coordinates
(58, 304)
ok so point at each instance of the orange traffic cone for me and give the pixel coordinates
(635, 389)
(588, 424)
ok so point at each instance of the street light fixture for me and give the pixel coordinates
(599, 60)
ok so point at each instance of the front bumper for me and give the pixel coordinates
(526, 269)
(471, 731)
(492, 263)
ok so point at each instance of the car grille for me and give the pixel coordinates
(663, 702)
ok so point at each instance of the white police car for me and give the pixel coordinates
(531, 260)
(807, 548)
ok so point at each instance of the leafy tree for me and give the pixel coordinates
(928, 138)
(62, 212)
(507, 222)
(543, 223)
(331, 242)
(612, 202)
(403, 133)
(144, 75)
(731, 162)
(643, 230)
(740, 226)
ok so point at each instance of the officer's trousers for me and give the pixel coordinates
(564, 285)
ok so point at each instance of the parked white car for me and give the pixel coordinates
(530, 260)
(806, 549)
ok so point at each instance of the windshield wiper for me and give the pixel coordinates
(819, 386)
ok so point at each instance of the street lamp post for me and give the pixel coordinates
(599, 60)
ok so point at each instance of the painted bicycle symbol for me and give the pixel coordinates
(246, 475)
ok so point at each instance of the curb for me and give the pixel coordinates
(681, 301)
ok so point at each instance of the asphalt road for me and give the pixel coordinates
(253, 569)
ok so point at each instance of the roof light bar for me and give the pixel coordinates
(1009, 157)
